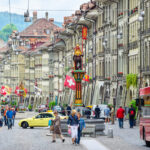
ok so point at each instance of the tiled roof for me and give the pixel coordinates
(4, 49)
(39, 27)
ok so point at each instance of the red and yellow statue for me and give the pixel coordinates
(78, 74)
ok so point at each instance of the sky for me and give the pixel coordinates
(20, 6)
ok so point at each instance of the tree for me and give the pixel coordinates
(6, 31)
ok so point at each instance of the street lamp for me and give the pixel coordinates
(140, 19)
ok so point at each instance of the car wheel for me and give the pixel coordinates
(24, 125)
(31, 127)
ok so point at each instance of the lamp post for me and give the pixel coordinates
(140, 19)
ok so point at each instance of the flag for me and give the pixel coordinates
(86, 78)
(17, 90)
(38, 91)
(3, 91)
(70, 82)
(8, 90)
(18, 93)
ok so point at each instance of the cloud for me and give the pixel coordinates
(20, 6)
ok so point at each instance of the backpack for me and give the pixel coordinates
(131, 113)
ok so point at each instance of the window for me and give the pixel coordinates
(48, 116)
(39, 116)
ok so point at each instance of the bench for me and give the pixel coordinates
(89, 130)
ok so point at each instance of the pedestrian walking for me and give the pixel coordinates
(80, 128)
(1, 121)
(56, 128)
(112, 113)
(68, 110)
(107, 114)
(132, 113)
(2, 114)
(97, 112)
(14, 115)
(9, 116)
(120, 116)
(5, 117)
(73, 124)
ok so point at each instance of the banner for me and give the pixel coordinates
(84, 33)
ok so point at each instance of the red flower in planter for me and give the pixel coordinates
(108, 78)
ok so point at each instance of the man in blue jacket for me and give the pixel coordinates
(9, 116)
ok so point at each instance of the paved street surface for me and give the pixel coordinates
(124, 139)
(26, 114)
(37, 139)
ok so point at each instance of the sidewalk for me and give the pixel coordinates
(26, 114)
(124, 139)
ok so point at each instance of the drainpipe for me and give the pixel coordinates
(94, 54)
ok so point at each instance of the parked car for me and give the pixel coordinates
(102, 108)
(85, 112)
(58, 108)
(40, 120)
(42, 108)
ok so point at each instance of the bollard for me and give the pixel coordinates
(110, 133)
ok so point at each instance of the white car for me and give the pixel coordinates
(102, 108)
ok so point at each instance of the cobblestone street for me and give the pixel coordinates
(124, 139)
(31, 139)
(37, 139)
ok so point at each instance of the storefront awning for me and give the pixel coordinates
(145, 91)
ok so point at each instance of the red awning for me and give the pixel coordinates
(145, 91)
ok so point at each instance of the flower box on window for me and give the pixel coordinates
(120, 74)
(107, 78)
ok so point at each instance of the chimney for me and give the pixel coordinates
(34, 16)
(51, 20)
(46, 15)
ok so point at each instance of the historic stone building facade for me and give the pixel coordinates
(117, 44)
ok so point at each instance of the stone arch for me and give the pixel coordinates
(146, 84)
(120, 90)
(101, 91)
(114, 92)
(36, 101)
(40, 100)
(32, 101)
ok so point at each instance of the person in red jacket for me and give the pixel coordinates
(120, 116)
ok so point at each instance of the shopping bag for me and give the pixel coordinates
(51, 128)
(69, 131)
(49, 122)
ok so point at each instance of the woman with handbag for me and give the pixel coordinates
(55, 127)
(73, 124)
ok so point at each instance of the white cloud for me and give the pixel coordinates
(19, 6)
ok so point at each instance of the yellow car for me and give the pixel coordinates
(40, 120)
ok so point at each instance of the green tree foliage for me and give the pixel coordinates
(29, 107)
(52, 104)
(6, 31)
(131, 79)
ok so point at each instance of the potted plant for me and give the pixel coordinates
(30, 107)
